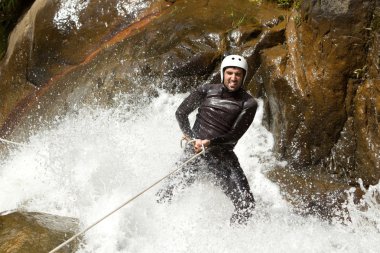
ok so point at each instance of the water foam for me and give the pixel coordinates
(92, 161)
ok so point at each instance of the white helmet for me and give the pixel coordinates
(234, 61)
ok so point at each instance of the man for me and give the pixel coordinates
(225, 113)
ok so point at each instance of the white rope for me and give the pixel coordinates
(128, 201)
(14, 143)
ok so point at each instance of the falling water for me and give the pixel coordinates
(92, 161)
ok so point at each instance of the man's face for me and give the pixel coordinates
(233, 78)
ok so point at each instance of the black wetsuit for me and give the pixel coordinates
(223, 117)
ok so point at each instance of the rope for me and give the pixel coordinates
(128, 201)
(14, 143)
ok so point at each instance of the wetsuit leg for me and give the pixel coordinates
(179, 180)
(234, 184)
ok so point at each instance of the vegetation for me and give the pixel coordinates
(375, 25)
(10, 11)
(285, 3)
(289, 3)
(282, 3)
(237, 19)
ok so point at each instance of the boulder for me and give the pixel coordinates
(22, 232)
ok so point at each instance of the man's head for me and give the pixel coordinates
(233, 72)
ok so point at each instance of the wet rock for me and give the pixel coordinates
(312, 192)
(310, 86)
(52, 40)
(63, 28)
(22, 232)
(317, 71)
(243, 34)
(367, 132)
(330, 45)
(171, 46)
(321, 95)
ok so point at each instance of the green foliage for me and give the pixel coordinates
(256, 1)
(375, 24)
(8, 5)
(10, 11)
(284, 3)
(238, 22)
(297, 4)
(238, 18)
(297, 20)
(3, 41)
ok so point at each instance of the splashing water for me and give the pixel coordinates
(92, 161)
(68, 14)
(69, 11)
(131, 7)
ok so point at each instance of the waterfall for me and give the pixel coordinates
(91, 161)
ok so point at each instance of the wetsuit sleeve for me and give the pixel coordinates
(241, 125)
(192, 102)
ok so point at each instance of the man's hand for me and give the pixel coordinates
(198, 145)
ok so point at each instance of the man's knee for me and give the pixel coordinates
(242, 215)
(244, 205)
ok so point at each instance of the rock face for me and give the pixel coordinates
(323, 100)
(35, 232)
(316, 68)
(311, 103)
(123, 47)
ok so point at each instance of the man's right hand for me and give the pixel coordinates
(199, 144)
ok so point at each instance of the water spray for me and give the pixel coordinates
(14, 143)
(131, 199)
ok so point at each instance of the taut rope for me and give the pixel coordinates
(128, 201)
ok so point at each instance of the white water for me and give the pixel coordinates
(68, 15)
(92, 162)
